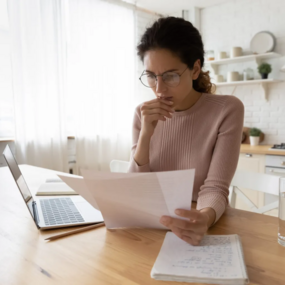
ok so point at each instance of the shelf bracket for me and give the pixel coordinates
(265, 90)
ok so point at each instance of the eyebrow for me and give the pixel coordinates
(170, 70)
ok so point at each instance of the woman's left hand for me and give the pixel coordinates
(191, 230)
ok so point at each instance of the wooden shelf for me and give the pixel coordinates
(263, 84)
(257, 57)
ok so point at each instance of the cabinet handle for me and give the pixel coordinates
(248, 155)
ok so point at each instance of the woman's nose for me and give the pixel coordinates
(160, 85)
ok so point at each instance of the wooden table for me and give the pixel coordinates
(103, 256)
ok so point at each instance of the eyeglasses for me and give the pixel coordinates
(170, 78)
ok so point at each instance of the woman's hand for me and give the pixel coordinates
(194, 228)
(153, 111)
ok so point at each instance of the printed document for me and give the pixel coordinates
(135, 199)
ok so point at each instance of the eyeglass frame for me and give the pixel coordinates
(162, 79)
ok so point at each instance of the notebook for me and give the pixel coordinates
(54, 186)
(217, 260)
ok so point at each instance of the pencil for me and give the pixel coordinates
(76, 231)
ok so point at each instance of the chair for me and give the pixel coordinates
(268, 184)
(119, 166)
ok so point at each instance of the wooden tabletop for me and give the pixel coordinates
(124, 256)
(260, 149)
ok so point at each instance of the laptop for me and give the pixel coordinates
(52, 212)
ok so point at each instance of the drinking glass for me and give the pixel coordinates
(281, 217)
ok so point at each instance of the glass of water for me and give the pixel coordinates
(281, 216)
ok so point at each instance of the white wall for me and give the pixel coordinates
(234, 24)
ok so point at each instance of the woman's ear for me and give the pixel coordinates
(196, 69)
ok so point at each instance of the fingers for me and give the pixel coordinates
(157, 105)
(192, 215)
(197, 226)
(177, 223)
(191, 229)
(155, 111)
(194, 239)
(156, 117)
(188, 236)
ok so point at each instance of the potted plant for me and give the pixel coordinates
(254, 135)
(264, 69)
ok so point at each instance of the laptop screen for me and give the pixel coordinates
(19, 179)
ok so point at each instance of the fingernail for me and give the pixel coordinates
(177, 212)
(169, 102)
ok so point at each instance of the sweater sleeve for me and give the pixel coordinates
(214, 193)
(134, 167)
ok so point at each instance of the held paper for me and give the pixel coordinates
(79, 186)
(140, 199)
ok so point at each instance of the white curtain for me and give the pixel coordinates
(38, 65)
(73, 74)
(101, 59)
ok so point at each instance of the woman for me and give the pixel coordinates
(186, 126)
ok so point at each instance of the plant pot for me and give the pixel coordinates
(264, 75)
(254, 140)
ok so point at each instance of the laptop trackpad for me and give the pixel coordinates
(88, 212)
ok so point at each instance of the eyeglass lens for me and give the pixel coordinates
(169, 78)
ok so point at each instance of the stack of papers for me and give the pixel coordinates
(217, 260)
(135, 199)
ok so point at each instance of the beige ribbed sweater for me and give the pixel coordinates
(205, 137)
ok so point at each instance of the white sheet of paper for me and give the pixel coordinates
(79, 186)
(140, 199)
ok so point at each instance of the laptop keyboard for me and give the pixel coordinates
(60, 211)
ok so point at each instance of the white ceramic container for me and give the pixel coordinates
(236, 51)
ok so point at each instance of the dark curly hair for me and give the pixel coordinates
(181, 38)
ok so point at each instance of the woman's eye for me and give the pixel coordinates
(151, 76)
(169, 76)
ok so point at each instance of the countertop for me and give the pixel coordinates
(260, 149)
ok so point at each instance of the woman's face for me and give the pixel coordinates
(160, 61)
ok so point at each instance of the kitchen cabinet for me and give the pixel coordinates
(252, 163)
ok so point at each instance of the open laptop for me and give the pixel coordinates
(52, 212)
